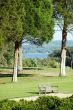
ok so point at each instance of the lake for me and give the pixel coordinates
(34, 51)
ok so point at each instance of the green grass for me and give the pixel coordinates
(29, 80)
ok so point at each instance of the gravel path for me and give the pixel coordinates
(33, 98)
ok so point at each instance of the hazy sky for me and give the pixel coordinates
(58, 34)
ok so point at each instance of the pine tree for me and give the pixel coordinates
(21, 18)
(64, 13)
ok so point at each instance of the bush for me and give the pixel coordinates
(42, 103)
(46, 62)
(48, 103)
(65, 105)
(24, 105)
(53, 63)
(7, 105)
(29, 63)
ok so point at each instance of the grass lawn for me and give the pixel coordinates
(29, 79)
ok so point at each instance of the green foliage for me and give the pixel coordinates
(11, 13)
(26, 105)
(66, 104)
(7, 105)
(42, 103)
(19, 18)
(46, 62)
(52, 62)
(6, 55)
(38, 21)
(64, 8)
(48, 103)
(29, 63)
(16, 12)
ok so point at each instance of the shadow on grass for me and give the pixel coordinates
(33, 93)
(32, 68)
(24, 68)
(19, 75)
(6, 67)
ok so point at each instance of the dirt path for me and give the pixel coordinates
(33, 98)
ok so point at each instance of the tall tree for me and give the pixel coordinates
(63, 11)
(23, 18)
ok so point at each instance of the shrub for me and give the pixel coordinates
(29, 63)
(46, 62)
(65, 105)
(48, 103)
(24, 105)
(42, 103)
(7, 105)
(52, 63)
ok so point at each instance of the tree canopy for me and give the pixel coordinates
(63, 9)
(12, 15)
(19, 18)
(38, 21)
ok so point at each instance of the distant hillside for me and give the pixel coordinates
(33, 51)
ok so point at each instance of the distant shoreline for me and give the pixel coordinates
(33, 51)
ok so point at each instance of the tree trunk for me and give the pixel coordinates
(63, 60)
(63, 50)
(20, 67)
(15, 61)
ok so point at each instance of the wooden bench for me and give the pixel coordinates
(43, 89)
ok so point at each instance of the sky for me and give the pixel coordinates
(58, 34)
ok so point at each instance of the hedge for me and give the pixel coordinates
(42, 103)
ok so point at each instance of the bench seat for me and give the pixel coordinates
(47, 89)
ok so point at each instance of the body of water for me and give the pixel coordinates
(33, 51)
(36, 55)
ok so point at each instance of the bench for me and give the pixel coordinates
(47, 89)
